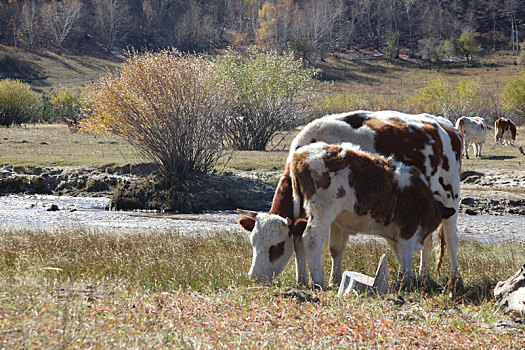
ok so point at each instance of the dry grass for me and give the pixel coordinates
(55, 145)
(505, 159)
(403, 77)
(54, 71)
(79, 289)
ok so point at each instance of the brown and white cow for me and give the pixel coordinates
(429, 143)
(504, 129)
(472, 129)
(344, 191)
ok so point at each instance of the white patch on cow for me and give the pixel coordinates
(403, 176)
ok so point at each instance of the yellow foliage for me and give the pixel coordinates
(267, 19)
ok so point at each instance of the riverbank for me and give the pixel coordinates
(486, 192)
(39, 212)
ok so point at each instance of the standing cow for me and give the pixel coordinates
(342, 191)
(504, 129)
(472, 129)
(429, 143)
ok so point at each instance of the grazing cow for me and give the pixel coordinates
(504, 129)
(343, 191)
(429, 143)
(472, 129)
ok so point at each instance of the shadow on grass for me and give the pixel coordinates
(499, 157)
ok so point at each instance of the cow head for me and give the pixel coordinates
(272, 242)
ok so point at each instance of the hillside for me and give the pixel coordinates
(47, 70)
(350, 72)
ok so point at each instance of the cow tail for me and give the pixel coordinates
(296, 194)
(442, 246)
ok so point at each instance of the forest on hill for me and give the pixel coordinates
(310, 27)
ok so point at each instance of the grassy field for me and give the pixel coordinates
(82, 289)
(54, 145)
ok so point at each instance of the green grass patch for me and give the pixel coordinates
(78, 289)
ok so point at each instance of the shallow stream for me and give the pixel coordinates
(33, 212)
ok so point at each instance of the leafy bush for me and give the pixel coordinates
(434, 98)
(466, 46)
(18, 103)
(340, 103)
(441, 98)
(392, 45)
(65, 105)
(169, 105)
(513, 96)
(271, 92)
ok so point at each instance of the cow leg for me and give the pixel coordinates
(300, 262)
(465, 146)
(314, 237)
(337, 246)
(405, 254)
(426, 254)
(452, 241)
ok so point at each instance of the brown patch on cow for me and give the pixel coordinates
(247, 223)
(461, 124)
(282, 203)
(332, 159)
(276, 251)
(403, 141)
(445, 164)
(298, 227)
(455, 140)
(324, 181)
(436, 159)
(355, 120)
(447, 187)
(302, 180)
(341, 192)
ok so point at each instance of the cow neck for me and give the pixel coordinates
(282, 203)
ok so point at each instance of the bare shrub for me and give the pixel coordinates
(167, 104)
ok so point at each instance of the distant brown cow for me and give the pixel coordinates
(504, 129)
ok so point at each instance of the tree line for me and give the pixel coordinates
(309, 27)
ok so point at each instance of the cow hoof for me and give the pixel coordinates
(455, 284)
(319, 287)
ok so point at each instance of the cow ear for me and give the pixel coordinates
(247, 223)
(299, 227)
(446, 212)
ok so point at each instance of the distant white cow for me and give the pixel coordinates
(472, 130)
(504, 129)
